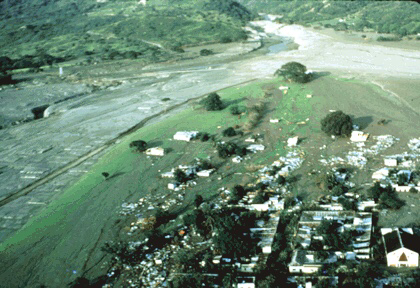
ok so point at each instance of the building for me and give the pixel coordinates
(155, 151)
(245, 282)
(349, 220)
(358, 136)
(255, 147)
(401, 247)
(390, 162)
(292, 141)
(304, 261)
(185, 135)
(381, 174)
(205, 173)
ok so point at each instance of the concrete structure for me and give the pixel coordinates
(401, 247)
(304, 261)
(405, 188)
(358, 136)
(292, 141)
(168, 175)
(255, 147)
(185, 135)
(245, 282)
(349, 220)
(205, 173)
(392, 162)
(380, 174)
(274, 120)
(155, 151)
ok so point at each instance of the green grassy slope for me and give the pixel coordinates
(113, 28)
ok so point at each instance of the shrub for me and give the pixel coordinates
(388, 38)
(225, 150)
(363, 36)
(337, 123)
(204, 137)
(205, 165)
(237, 193)
(235, 110)
(180, 176)
(198, 200)
(206, 52)
(413, 190)
(139, 145)
(281, 180)
(294, 72)
(177, 49)
(166, 99)
(212, 102)
(229, 132)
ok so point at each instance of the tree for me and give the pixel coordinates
(236, 110)
(413, 190)
(337, 123)
(212, 102)
(180, 176)
(229, 132)
(347, 204)
(294, 72)
(237, 193)
(139, 145)
(281, 180)
(198, 200)
(387, 197)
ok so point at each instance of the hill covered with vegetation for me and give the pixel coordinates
(398, 17)
(111, 29)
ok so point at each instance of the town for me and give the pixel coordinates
(243, 233)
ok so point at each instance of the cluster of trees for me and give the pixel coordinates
(233, 234)
(387, 197)
(331, 237)
(294, 72)
(337, 123)
(228, 149)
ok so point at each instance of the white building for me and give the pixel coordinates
(292, 141)
(255, 147)
(401, 247)
(245, 282)
(185, 135)
(205, 173)
(155, 151)
(390, 162)
(358, 136)
(380, 174)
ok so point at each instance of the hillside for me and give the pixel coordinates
(397, 17)
(107, 30)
